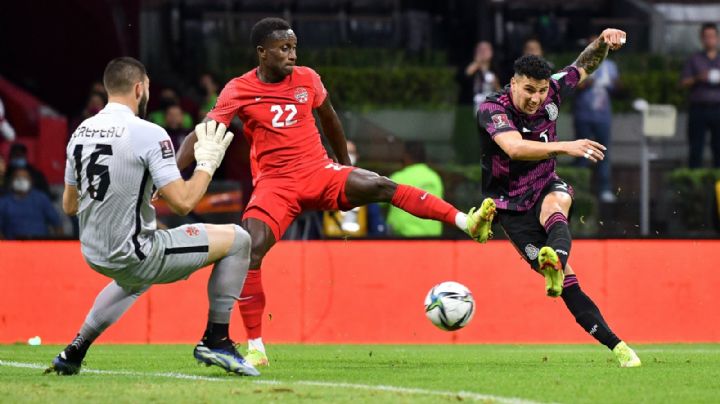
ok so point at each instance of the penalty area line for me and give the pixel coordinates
(356, 386)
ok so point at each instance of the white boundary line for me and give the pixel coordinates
(383, 388)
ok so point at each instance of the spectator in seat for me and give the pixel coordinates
(19, 159)
(26, 213)
(485, 81)
(174, 125)
(96, 101)
(168, 97)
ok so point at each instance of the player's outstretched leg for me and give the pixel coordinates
(479, 221)
(110, 304)
(226, 281)
(588, 315)
(551, 268)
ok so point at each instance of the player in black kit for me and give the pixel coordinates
(522, 190)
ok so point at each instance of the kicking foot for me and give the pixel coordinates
(479, 221)
(225, 356)
(551, 269)
(257, 358)
(626, 356)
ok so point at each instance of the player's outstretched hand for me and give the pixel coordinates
(212, 141)
(615, 38)
(586, 148)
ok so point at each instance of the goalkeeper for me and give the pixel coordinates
(114, 160)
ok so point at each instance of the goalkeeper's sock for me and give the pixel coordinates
(252, 304)
(556, 227)
(424, 205)
(587, 313)
(216, 333)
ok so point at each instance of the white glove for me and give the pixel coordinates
(212, 141)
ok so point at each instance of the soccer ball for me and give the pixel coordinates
(450, 306)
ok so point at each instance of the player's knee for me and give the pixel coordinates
(241, 242)
(383, 188)
(258, 249)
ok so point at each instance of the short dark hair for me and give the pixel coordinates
(532, 66)
(708, 25)
(122, 73)
(415, 150)
(265, 27)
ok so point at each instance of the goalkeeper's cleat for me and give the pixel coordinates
(257, 358)
(626, 356)
(68, 362)
(552, 270)
(225, 356)
(479, 221)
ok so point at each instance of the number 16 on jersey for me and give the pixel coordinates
(93, 170)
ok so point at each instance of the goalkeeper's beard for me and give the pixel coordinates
(142, 105)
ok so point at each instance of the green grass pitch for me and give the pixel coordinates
(372, 373)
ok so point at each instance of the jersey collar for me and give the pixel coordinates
(117, 107)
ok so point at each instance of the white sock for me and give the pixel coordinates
(461, 221)
(256, 344)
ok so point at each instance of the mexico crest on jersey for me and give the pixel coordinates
(552, 111)
(301, 95)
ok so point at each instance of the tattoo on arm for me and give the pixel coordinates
(552, 154)
(592, 56)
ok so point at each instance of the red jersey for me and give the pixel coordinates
(277, 119)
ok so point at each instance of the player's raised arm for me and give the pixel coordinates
(589, 59)
(333, 130)
(211, 141)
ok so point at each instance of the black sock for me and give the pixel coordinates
(587, 313)
(559, 239)
(77, 349)
(215, 333)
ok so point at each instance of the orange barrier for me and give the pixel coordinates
(373, 291)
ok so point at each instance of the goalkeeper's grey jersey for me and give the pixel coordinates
(113, 159)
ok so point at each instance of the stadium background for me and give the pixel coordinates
(393, 69)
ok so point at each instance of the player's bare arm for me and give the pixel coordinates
(182, 196)
(185, 155)
(589, 59)
(333, 130)
(70, 200)
(518, 148)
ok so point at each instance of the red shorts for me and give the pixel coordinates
(278, 199)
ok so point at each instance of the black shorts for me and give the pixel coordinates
(524, 229)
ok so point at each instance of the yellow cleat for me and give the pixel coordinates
(626, 356)
(479, 221)
(257, 358)
(551, 269)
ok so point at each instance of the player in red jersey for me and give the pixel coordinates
(291, 170)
